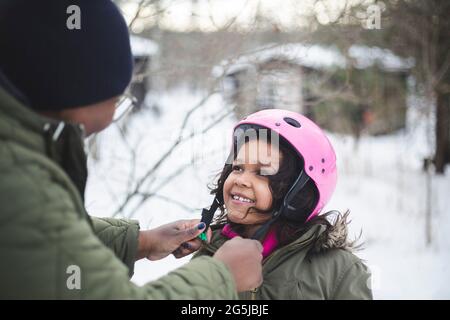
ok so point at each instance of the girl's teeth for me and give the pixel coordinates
(242, 199)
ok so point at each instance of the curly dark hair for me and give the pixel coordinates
(287, 230)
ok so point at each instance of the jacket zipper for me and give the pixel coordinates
(255, 291)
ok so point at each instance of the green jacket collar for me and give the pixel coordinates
(60, 141)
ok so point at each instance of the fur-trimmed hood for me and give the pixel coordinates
(333, 234)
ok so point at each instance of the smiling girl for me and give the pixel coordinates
(278, 178)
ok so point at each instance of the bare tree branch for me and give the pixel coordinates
(171, 149)
(170, 200)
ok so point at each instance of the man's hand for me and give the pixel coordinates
(243, 258)
(179, 238)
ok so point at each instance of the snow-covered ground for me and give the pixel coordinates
(380, 181)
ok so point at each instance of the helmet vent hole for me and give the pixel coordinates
(278, 124)
(311, 168)
(292, 122)
(323, 170)
(323, 160)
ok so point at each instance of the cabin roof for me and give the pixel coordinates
(142, 46)
(317, 57)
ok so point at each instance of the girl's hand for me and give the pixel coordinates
(179, 238)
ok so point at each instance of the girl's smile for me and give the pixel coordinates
(241, 199)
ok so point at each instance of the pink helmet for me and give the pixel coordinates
(312, 145)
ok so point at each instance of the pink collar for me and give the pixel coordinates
(269, 244)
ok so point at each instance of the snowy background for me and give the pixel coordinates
(380, 180)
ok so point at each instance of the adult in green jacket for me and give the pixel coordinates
(59, 81)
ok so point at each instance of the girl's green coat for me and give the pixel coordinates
(308, 269)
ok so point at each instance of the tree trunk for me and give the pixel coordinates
(442, 89)
(442, 155)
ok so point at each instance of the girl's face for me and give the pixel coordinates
(247, 186)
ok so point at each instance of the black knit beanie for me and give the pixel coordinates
(56, 67)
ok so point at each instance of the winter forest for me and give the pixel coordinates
(374, 74)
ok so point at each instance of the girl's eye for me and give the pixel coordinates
(266, 172)
(237, 168)
(261, 172)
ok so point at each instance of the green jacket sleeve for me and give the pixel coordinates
(354, 284)
(202, 278)
(121, 236)
(103, 276)
(49, 251)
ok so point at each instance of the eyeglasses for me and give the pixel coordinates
(124, 106)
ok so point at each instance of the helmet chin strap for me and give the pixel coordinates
(298, 185)
(261, 232)
(207, 217)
